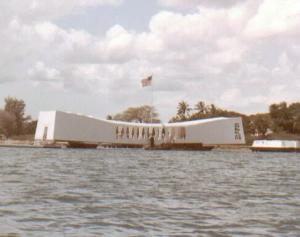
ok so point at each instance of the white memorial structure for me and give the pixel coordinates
(57, 126)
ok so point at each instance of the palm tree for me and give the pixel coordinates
(183, 110)
(213, 109)
(201, 108)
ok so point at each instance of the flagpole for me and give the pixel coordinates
(149, 82)
(152, 100)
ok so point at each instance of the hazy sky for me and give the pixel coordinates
(88, 56)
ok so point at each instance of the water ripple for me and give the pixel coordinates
(129, 192)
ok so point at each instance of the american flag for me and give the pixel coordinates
(147, 81)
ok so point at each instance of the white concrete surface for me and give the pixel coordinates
(62, 126)
(46, 120)
(276, 144)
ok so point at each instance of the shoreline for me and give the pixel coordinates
(25, 144)
(30, 144)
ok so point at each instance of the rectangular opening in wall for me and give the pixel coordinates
(45, 133)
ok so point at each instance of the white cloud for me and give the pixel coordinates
(40, 72)
(275, 17)
(195, 3)
(218, 54)
(231, 96)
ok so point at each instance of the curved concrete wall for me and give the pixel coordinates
(62, 126)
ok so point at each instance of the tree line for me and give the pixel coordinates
(282, 118)
(281, 121)
(140, 114)
(13, 121)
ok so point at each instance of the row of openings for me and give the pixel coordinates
(139, 133)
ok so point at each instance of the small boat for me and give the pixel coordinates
(276, 146)
(180, 146)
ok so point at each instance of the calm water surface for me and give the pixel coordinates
(127, 192)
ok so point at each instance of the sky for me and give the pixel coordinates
(89, 56)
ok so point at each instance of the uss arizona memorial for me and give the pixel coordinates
(57, 126)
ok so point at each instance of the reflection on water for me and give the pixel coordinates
(127, 192)
(9, 235)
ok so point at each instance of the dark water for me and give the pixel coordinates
(129, 192)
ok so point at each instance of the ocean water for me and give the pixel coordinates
(128, 192)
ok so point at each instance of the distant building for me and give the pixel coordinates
(56, 126)
(276, 145)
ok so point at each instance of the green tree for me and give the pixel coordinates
(201, 108)
(17, 109)
(183, 110)
(294, 110)
(201, 111)
(109, 117)
(30, 127)
(141, 114)
(261, 124)
(213, 110)
(7, 123)
(281, 116)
